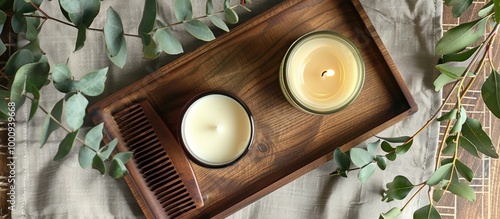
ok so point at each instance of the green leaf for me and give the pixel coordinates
(113, 32)
(426, 212)
(218, 22)
(402, 149)
(372, 147)
(449, 74)
(98, 164)
(148, 16)
(461, 118)
(60, 73)
(437, 194)
(3, 48)
(366, 172)
(464, 170)
(32, 25)
(497, 10)
(35, 73)
(150, 49)
(491, 92)
(391, 214)
(486, 9)
(231, 16)
(124, 157)
(452, 114)
(93, 83)
(360, 157)
(117, 169)
(341, 159)
(473, 131)
(381, 162)
(67, 86)
(468, 146)
(386, 146)
(457, 38)
(463, 190)
(66, 145)
(36, 51)
(94, 137)
(75, 110)
(49, 125)
(460, 57)
(3, 18)
(439, 174)
(108, 149)
(22, 6)
(398, 189)
(459, 6)
(85, 157)
(81, 12)
(401, 139)
(227, 4)
(183, 10)
(81, 37)
(199, 30)
(391, 156)
(17, 60)
(209, 7)
(450, 145)
(36, 99)
(167, 42)
(18, 23)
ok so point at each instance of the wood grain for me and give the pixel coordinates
(487, 171)
(245, 62)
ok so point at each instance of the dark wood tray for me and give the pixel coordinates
(288, 143)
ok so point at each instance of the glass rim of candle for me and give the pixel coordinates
(284, 77)
(196, 158)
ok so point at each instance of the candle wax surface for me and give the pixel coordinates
(216, 129)
(315, 55)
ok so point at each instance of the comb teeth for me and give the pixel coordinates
(153, 162)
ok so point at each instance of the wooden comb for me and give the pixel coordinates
(160, 176)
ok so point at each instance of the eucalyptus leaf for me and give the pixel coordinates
(183, 10)
(473, 131)
(427, 212)
(60, 73)
(35, 73)
(94, 136)
(34, 48)
(227, 4)
(32, 25)
(150, 49)
(3, 18)
(231, 16)
(468, 146)
(486, 9)
(80, 37)
(148, 16)
(167, 41)
(459, 6)
(398, 189)
(117, 169)
(391, 214)
(460, 57)
(85, 157)
(121, 58)
(360, 157)
(199, 30)
(218, 22)
(490, 92)
(67, 86)
(441, 81)
(496, 8)
(108, 149)
(452, 114)
(461, 118)
(437, 194)
(124, 157)
(18, 23)
(402, 149)
(81, 12)
(381, 162)
(93, 83)
(463, 190)
(209, 9)
(401, 139)
(17, 60)
(75, 110)
(391, 156)
(439, 174)
(366, 172)
(3, 48)
(98, 164)
(464, 170)
(386, 146)
(23, 6)
(461, 36)
(372, 147)
(341, 159)
(113, 32)
(49, 125)
(36, 99)
(66, 145)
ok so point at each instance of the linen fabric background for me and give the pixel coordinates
(48, 189)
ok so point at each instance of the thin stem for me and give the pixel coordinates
(422, 186)
(441, 145)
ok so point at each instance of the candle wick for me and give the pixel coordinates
(328, 73)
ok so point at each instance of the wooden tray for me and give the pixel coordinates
(288, 143)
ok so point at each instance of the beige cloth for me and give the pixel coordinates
(47, 189)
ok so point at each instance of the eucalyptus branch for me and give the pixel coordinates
(422, 186)
(61, 125)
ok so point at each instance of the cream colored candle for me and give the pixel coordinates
(216, 129)
(322, 73)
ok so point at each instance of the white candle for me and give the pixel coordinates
(216, 129)
(322, 73)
